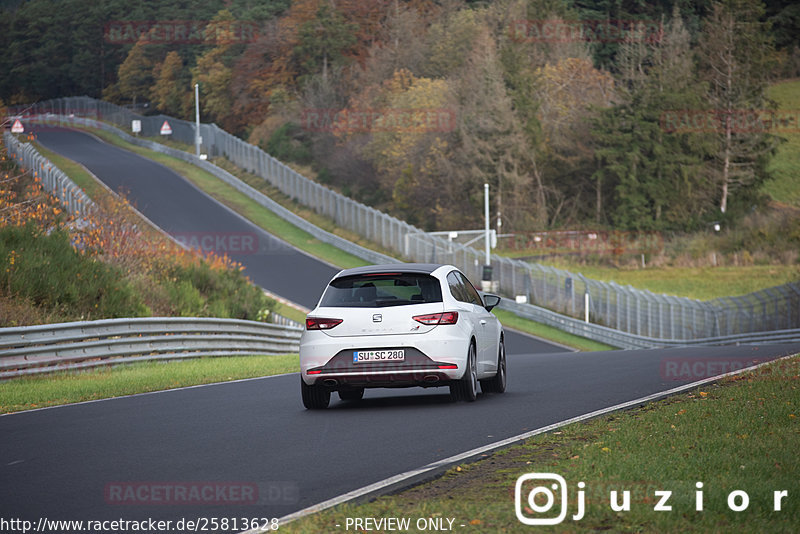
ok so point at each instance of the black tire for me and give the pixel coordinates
(351, 394)
(466, 388)
(315, 397)
(497, 384)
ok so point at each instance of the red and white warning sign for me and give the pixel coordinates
(17, 127)
(166, 129)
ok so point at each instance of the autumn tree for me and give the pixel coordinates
(397, 47)
(491, 145)
(407, 135)
(135, 75)
(570, 93)
(171, 90)
(214, 72)
(449, 42)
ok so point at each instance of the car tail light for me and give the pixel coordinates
(321, 323)
(437, 318)
(448, 366)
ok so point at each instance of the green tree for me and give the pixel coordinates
(323, 41)
(654, 178)
(737, 53)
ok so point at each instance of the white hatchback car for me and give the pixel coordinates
(401, 325)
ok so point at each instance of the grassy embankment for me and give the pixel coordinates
(785, 166)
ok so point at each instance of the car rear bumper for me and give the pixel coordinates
(329, 361)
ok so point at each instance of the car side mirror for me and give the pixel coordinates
(490, 301)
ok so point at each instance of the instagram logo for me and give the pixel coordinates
(535, 496)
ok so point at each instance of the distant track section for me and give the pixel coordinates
(189, 215)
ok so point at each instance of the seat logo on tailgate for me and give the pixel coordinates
(377, 318)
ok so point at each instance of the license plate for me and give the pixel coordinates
(397, 355)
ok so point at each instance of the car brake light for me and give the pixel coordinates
(437, 318)
(321, 323)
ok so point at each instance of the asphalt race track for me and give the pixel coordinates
(58, 463)
(112, 459)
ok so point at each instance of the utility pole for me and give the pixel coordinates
(197, 120)
(486, 279)
(487, 238)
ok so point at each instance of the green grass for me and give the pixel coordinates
(42, 268)
(290, 312)
(785, 166)
(106, 382)
(243, 205)
(742, 434)
(702, 283)
(77, 172)
(516, 322)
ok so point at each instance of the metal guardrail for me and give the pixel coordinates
(623, 308)
(29, 350)
(53, 179)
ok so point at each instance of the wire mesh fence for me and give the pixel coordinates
(623, 308)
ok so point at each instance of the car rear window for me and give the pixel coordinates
(378, 290)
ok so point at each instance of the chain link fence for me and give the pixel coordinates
(623, 308)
